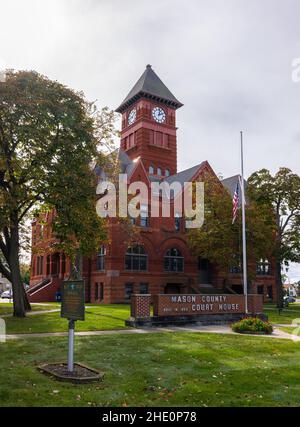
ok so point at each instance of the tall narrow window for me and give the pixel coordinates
(99, 291)
(48, 265)
(159, 171)
(167, 172)
(101, 258)
(144, 221)
(151, 170)
(40, 261)
(128, 290)
(63, 264)
(177, 221)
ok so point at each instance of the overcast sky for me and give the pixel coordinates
(229, 62)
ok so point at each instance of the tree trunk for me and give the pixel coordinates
(26, 300)
(279, 286)
(21, 304)
(278, 258)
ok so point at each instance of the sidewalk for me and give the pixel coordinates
(218, 329)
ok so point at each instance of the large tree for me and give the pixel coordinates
(220, 241)
(49, 138)
(281, 195)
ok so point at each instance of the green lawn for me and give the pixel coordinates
(105, 317)
(165, 369)
(286, 316)
(7, 308)
(101, 317)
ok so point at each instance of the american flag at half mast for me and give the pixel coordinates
(235, 203)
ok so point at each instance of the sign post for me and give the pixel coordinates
(72, 308)
(71, 346)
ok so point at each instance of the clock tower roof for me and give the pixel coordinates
(149, 86)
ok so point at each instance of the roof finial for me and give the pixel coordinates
(148, 66)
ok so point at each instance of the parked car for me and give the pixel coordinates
(289, 299)
(7, 294)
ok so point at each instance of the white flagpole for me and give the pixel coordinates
(245, 279)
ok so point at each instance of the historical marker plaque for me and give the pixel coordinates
(72, 304)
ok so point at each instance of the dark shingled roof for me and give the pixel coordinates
(182, 177)
(149, 86)
(185, 175)
(125, 163)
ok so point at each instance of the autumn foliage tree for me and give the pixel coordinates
(219, 241)
(50, 136)
(280, 195)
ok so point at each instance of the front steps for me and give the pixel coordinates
(44, 291)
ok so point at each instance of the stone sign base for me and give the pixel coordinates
(202, 320)
(198, 309)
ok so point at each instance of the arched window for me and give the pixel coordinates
(173, 260)
(151, 170)
(263, 267)
(167, 172)
(136, 258)
(101, 258)
(159, 171)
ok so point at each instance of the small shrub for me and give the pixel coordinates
(252, 325)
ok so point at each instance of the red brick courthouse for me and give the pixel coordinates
(160, 261)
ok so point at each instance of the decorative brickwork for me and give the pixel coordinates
(140, 306)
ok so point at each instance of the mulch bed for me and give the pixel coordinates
(81, 374)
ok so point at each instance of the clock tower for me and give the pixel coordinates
(149, 125)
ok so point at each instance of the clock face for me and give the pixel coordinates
(132, 116)
(159, 115)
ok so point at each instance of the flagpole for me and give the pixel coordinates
(245, 279)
